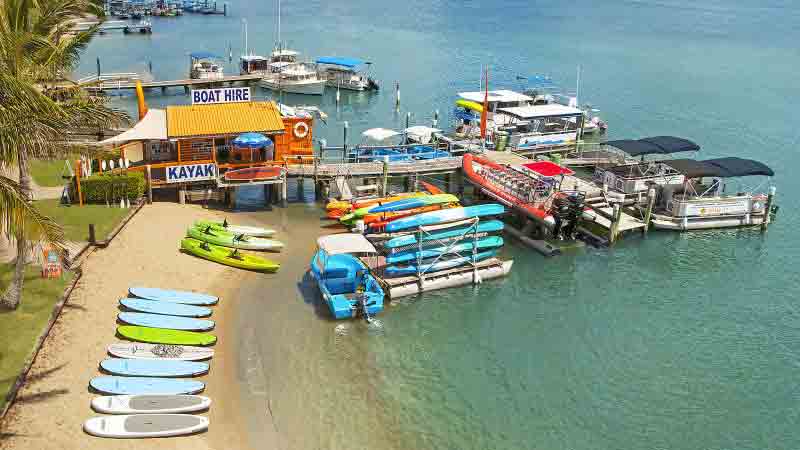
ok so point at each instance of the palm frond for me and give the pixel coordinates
(17, 214)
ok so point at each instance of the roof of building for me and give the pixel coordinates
(153, 126)
(495, 96)
(720, 167)
(223, 118)
(654, 145)
(538, 111)
(334, 244)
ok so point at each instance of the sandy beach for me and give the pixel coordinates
(54, 403)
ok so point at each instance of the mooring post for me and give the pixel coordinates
(416, 182)
(344, 145)
(408, 120)
(182, 195)
(232, 198)
(285, 192)
(397, 95)
(384, 178)
(92, 235)
(407, 184)
(651, 201)
(768, 208)
(615, 218)
(149, 176)
(435, 118)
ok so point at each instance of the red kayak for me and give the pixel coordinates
(254, 173)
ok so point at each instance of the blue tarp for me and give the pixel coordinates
(203, 55)
(340, 61)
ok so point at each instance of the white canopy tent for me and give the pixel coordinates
(334, 244)
(152, 127)
(379, 134)
(421, 133)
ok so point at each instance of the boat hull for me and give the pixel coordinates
(254, 174)
(339, 285)
(316, 87)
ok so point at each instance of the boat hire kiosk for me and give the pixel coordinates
(193, 145)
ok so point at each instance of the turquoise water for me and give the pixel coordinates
(676, 341)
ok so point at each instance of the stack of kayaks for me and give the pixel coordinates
(383, 213)
(338, 208)
(148, 387)
(222, 242)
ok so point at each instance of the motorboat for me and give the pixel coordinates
(203, 66)
(347, 286)
(383, 144)
(701, 201)
(346, 73)
(296, 78)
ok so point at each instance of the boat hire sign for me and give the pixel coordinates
(221, 95)
(191, 172)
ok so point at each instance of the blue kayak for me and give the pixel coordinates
(414, 202)
(168, 308)
(487, 226)
(168, 322)
(139, 385)
(461, 247)
(394, 271)
(153, 367)
(166, 295)
(444, 215)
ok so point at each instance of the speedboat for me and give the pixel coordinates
(344, 280)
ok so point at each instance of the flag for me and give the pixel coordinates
(485, 111)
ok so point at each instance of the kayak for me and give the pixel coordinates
(254, 173)
(229, 257)
(378, 221)
(445, 215)
(487, 226)
(394, 271)
(164, 336)
(462, 248)
(348, 206)
(236, 229)
(416, 202)
(227, 239)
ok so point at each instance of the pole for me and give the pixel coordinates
(344, 145)
(149, 176)
(435, 118)
(98, 68)
(78, 168)
(615, 218)
(397, 95)
(285, 192)
(384, 178)
(768, 208)
(92, 234)
(651, 201)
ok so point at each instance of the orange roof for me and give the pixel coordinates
(223, 118)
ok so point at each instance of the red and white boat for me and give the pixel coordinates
(254, 174)
(528, 188)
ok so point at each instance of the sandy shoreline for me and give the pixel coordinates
(54, 403)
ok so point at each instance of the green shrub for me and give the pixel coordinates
(105, 187)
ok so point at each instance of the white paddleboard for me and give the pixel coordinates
(140, 350)
(150, 404)
(145, 425)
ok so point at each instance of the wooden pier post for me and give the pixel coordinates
(407, 184)
(267, 188)
(285, 192)
(397, 95)
(232, 198)
(149, 177)
(344, 144)
(435, 118)
(182, 195)
(384, 178)
(648, 213)
(767, 208)
(416, 182)
(615, 218)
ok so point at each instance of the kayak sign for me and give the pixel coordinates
(191, 172)
(221, 95)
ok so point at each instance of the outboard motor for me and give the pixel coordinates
(372, 84)
(566, 211)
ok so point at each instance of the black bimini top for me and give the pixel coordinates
(720, 167)
(663, 145)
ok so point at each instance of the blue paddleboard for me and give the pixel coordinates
(444, 215)
(168, 322)
(484, 226)
(153, 367)
(168, 308)
(394, 271)
(140, 386)
(165, 295)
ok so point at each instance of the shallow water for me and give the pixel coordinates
(679, 341)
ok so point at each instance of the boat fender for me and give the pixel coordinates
(300, 130)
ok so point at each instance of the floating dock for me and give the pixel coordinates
(398, 287)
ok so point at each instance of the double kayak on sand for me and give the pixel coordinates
(235, 229)
(227, 239)
(229, 257)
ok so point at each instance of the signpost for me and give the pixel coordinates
(221, 95)
(51, 265)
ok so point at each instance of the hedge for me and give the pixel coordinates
(108, 188)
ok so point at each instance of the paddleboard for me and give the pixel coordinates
(168, 322)
(411, 203)
(145, 425)
(150, 404)
(462, 248)
(484, 226)
(145, 385)
(166, 295)
(162, 336)
(393, 271)
(166, 308)
(153, 367)
(138, 350)
(444, 215)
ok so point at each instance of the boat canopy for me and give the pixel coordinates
(350, 63)
(503, 96)
(334, 244)
(662, 145)
(284, 52)
(720, 167)
(541, 111)
(203, 55)
(548, 168)
(253, 58)
(379, 134)
(152, 127)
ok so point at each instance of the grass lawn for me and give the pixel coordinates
(47, 172)
(19, 329)
(76, 219)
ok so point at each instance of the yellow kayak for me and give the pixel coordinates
(474, 106)
(347, 206)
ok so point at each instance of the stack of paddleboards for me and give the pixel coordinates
(148, 386)
(223, 243)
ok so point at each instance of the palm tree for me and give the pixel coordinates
(36, 112)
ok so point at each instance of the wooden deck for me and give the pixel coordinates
(401, 168)
(112, 85)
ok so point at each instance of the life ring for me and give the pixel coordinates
(300, 130)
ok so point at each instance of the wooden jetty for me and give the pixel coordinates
(125, 81)
(143, 27)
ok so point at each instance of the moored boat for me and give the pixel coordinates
(254, 174)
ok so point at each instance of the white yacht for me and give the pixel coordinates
(203, 66)
(294, 77)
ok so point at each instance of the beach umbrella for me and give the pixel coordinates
(252, 140)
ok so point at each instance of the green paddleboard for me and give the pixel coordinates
(163, 336)
(228, 256)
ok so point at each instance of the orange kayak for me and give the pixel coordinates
(342, 207)
(379, 220)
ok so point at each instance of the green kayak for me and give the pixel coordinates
(164, 336)
(236, 229)
(229, 257)
(226, 239)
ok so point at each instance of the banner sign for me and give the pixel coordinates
(191, 172)
(221, 95)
